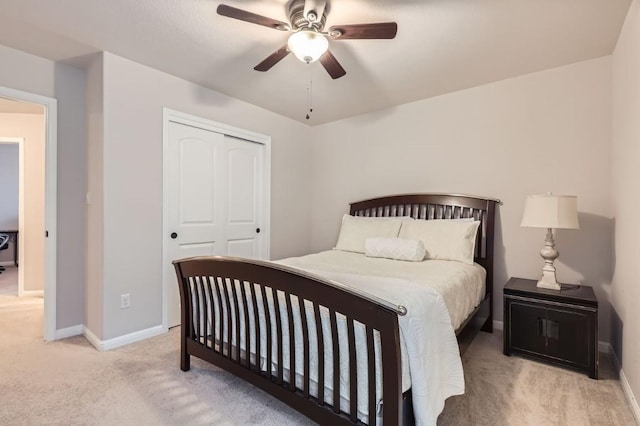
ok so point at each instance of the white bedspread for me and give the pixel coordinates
(460, 285)
(428, 341)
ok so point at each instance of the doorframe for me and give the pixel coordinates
(50, 201)
(170, 115)
(20, 142)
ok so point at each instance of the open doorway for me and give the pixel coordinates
(27, 146)
(11, 208)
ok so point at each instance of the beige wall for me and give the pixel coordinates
(31, 127)
(134, 96)
(625, 292)
(548, 131)
(9, 181)
(94, 208)
(32, 74)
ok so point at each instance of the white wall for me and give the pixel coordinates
(31, 127)
(134, 96)
(40, 76)
(625, 292)
(548, 131)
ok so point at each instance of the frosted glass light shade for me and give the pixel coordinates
(551, 211)
(308, 45)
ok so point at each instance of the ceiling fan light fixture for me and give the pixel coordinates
(308, 45)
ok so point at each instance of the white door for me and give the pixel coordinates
(244, 216)
(215, 200)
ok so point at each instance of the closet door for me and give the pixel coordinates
(215, 204)
(245, 203)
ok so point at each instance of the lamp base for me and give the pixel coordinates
(549, 254)
(548, 281)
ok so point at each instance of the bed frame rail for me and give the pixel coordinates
(243, 315)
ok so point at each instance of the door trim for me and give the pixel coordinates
(168, 116)
(50, 201)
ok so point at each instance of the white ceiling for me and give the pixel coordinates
(441, 45)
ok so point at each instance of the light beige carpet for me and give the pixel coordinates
(502, 390)
(68, 382)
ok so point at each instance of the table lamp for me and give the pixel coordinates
(551, 212)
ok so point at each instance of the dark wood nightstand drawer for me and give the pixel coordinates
(560, 328)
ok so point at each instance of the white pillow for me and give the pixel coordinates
(356, 229)
(444, 239)
(394, 248)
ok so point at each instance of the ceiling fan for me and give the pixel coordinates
(308, 40)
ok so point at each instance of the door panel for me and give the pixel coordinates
(203, 249)
(215, 200)
(244, 211)
(242, 248)
(193, 201)
(197, 181)
(242, 176)
(526, 318)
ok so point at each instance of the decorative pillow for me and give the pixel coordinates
(444, 239)
(395, 248)
(356, 229)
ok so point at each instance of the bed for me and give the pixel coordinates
(283, 326)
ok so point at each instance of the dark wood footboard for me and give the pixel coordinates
(229, 303)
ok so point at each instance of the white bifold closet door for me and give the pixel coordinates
(216, 204)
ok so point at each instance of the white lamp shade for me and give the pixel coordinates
(308, 45)
(551, 211)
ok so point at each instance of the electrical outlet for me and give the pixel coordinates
(125, 301)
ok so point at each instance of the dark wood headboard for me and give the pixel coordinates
(441, 206)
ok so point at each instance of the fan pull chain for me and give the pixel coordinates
(310, 93)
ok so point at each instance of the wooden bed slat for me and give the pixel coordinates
(320, 346)
(353, 371)
(371, 382)
(256, 326)
(212, 326)
(336, 361)
(236, 306)
(276, 308)
(291, 346)
(221, 323)
(229, 321)
(305, 338)
(247, 343)
(197, 319)
(268, 330)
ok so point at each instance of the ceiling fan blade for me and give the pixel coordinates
(378, 30)
(272, 59)
(243, 15)
(331, 64)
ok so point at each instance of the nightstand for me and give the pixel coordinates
(559, 327)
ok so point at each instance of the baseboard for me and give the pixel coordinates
(498, 325)
(63, 333)
(116, 342)
(604, 348)
(32, 293)
(631, 398)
